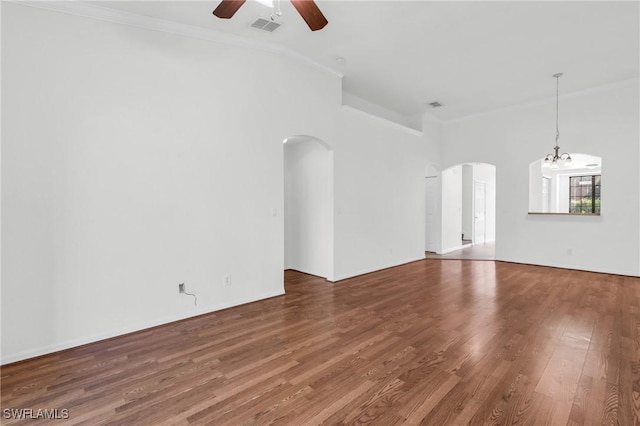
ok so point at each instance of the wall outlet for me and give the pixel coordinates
(227, 281)
(181, 288)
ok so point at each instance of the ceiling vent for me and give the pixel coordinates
(265, 24)
(435, 104)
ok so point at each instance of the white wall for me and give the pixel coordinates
(432, 170)
(308, 206)
(379, 193)
(433, 212)
(487, 174)
(563, 192)
(467, 201)
(133, 160)
(451, 208)
(603, 122)
(535, 187)
(557, 191)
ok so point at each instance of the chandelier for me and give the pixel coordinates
(552, 160)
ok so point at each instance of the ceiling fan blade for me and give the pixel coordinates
(227, 8)
(310, 13)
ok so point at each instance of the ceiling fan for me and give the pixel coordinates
(306, 8)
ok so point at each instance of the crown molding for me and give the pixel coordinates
(92, 11)
(547, 100)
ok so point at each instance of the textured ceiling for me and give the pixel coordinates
(470, 56)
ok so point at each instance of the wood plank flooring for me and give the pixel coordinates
(434, 342)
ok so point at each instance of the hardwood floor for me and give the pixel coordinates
(432, 342)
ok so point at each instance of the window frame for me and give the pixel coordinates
(595, 193)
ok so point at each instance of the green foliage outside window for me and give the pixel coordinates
(584, 194)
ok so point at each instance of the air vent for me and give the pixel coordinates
(265, 24)
(435, 104)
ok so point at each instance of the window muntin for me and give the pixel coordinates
(584, 194)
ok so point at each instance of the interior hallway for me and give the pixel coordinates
(486, 251)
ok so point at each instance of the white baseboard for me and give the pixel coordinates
(368, 271)
(626, 273)
(306, 271)
(6, 359)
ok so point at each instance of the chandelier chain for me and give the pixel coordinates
(551, 160)
(557, 107)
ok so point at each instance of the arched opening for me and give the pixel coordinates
(308, 206)
(467, 211)
(567, 188)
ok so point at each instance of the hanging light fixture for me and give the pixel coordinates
(552, 160)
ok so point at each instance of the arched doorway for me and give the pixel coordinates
(308, 206)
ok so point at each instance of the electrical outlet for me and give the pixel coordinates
(181, 288)
(227, 281)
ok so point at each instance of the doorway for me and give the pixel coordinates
(479, 212)
(467, 212)
(308, 206)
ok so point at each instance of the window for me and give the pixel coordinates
(584, 194)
